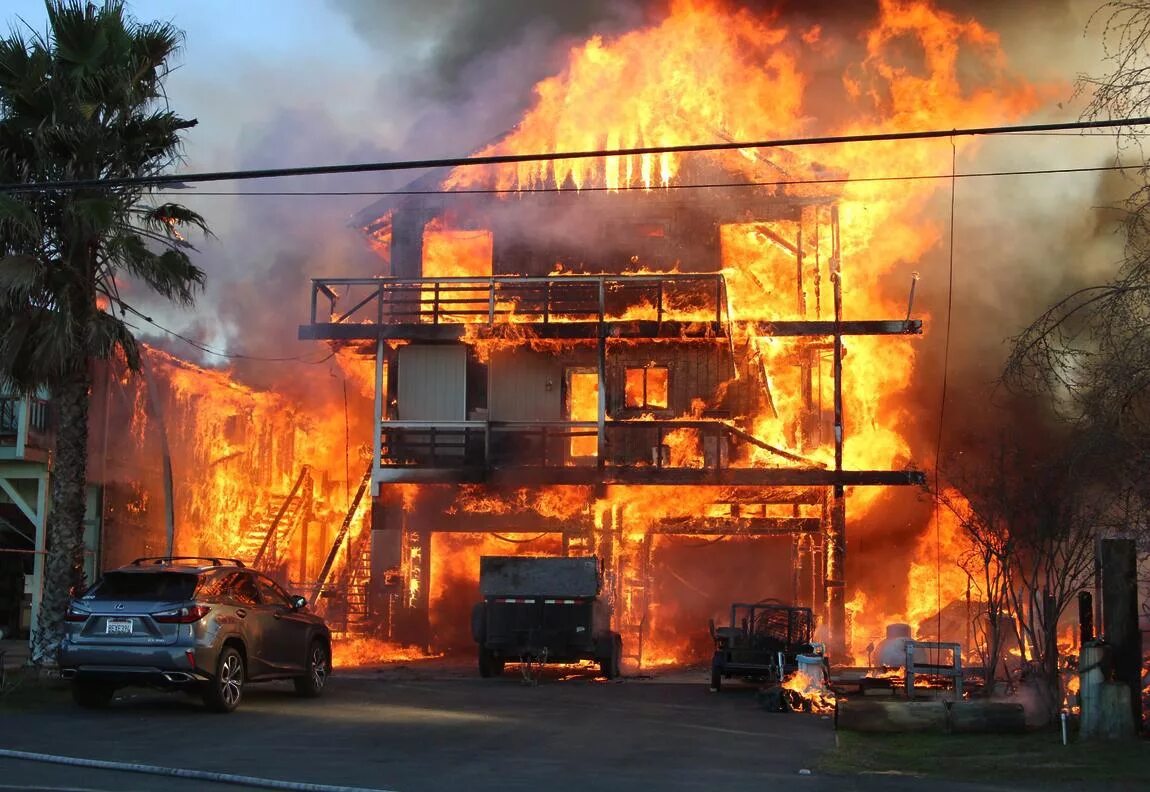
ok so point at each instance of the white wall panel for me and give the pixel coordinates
(432, 383)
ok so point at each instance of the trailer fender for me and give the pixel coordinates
(479, 623)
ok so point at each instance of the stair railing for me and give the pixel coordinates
(305, 475)
(333, 553)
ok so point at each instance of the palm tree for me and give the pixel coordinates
(82, 101)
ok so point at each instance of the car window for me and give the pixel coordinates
(164, 586)
(213, 585)
(271, 593)
(241, 588)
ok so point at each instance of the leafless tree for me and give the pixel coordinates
(983, 511)
(1090, 352)
(1031, 496)
(1091, 349)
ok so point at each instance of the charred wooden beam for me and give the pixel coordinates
(738, 526)
(589, 331)
(588, 476)
(757, 495)
(521, 522)
(768, 447)
(558, 331)
(533, 523)
(851, 328)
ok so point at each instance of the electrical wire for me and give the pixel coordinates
(220, 353)
(509, 540)
(942, 403)
(630, 188)
(506, 159)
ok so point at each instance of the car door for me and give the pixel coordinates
(255, 621)
(289, 630)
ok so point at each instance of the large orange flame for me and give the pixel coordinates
(705, 72)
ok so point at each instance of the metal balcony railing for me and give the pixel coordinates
(514, 299)
(476, 444)
(24, 422)
(10, 415)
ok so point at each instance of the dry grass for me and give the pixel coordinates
(1035, 758)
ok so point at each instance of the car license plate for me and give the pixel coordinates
(118, 627)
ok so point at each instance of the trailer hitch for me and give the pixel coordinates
(531, 666)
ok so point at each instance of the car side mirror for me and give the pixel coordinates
(711, 626)
(298, 602)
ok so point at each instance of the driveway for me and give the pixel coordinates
(431, 727)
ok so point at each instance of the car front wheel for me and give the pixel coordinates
(318, 669)
(223, 693)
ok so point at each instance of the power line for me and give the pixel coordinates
(220, 353)
(628, 188)
(507, 159)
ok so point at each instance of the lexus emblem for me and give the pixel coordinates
(119, 606)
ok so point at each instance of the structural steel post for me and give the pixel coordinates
(836, 535)
(802, 295)
(601, 388)
(377, 419)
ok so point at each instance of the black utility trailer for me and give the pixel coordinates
(762, 642)
(542, 610)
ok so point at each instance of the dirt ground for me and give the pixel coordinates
(434, 726)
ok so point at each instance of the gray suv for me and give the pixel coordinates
(205, 625)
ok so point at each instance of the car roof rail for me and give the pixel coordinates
(161, 560)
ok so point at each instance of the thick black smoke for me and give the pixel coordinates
(446, 40)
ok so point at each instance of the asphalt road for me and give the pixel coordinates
(413, 729)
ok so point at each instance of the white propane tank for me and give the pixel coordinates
(892, 651)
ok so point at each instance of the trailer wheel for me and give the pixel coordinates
(489, 664)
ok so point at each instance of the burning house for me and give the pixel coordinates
(696, 367)
(593, 342)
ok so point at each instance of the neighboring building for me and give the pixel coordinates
(26, 440)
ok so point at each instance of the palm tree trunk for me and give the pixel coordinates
(64, 567)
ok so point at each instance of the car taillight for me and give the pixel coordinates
(184, 615)
(74, 614)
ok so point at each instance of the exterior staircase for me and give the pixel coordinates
(634, 597)
(266, 543)
(355, 587)
(346, 597)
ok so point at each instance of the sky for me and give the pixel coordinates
(302, 50)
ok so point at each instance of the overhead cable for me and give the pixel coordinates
(506, 159)
(697, 186)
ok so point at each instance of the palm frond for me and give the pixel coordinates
(21, 276)
(17, 220)
(107, 334)
(170, 273)
(95, 215)
(38, 346)
(168, 218)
